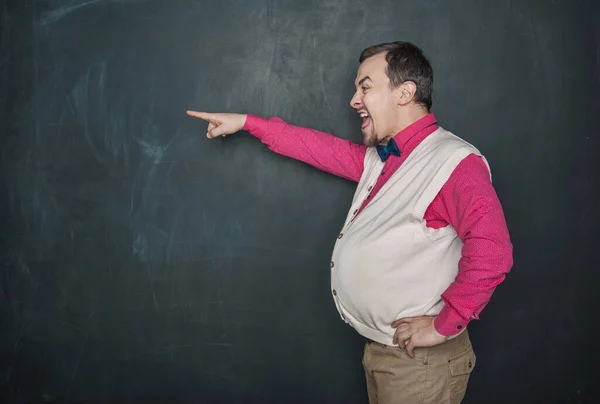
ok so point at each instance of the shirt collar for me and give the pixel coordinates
(402, 137)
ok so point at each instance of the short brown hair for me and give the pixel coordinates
(406, 62)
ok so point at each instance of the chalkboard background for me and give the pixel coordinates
(142, 262)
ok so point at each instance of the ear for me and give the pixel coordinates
(406, 92)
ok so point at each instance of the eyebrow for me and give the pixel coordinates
(363, 80)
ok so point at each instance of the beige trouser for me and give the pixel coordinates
(437, 375)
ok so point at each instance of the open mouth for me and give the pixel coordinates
(366, 119)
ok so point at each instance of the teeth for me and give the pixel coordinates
(364, 114)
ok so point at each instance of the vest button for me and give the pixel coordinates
(334, 292)
(370, 188)
(331, 264)
(340, 235)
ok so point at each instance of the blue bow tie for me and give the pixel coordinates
(390, 148)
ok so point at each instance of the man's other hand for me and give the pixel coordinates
(416, 332)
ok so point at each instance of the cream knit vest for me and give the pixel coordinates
(387, 264)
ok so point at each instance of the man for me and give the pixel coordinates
(425, 241)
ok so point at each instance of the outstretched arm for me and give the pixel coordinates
(326, 152)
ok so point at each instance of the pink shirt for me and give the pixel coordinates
(467, 202)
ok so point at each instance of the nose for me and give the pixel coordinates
(356, 101)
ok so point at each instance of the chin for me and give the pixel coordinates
(370, 140)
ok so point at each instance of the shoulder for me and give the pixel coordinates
(443, 140)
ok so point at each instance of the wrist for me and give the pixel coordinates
(449, 323)
(255, 125)
(441, 337)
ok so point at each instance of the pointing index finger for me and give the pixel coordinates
(201, 115)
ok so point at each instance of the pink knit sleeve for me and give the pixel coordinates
(326, 152)
(470, 204)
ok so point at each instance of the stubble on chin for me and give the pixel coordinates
(370, 140)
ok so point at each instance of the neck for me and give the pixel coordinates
(406, 117)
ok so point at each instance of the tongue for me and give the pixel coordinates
(366, 122)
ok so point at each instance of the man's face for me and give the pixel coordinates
(375, 101)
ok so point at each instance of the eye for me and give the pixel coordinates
(364, 88)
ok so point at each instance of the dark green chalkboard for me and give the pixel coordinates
(141, 262)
